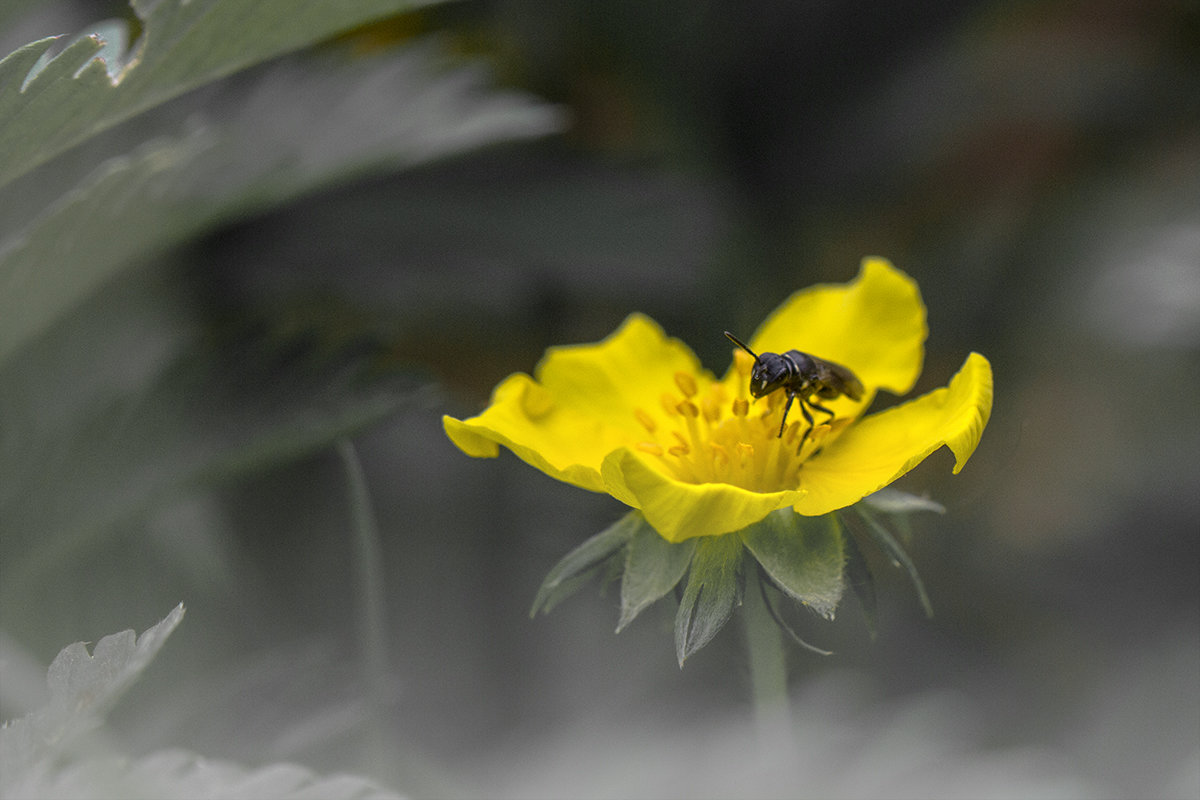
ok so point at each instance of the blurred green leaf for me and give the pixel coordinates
(862, 582)
(49, 105)
(130, 404)
(653, 566)
(569, 574)
(297, 127)
(14, 10)
(895, 552)
(893, 501)
(803, 555)
(714, 587)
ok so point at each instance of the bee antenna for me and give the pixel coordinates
(740, 344)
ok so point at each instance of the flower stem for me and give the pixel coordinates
(768, 665)
(371, 618)
(368, 558)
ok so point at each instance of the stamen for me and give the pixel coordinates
(721, 459)
(789, 433)
(745, 455)
(686, 384)
(813, 442)
(772, 470)
(706, 435)
(743, 362)
(652, 448)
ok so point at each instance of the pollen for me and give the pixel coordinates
(708, 437)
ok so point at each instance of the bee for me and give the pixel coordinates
(804, 377)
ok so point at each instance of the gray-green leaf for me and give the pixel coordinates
(805, 556)
(183, 45)
(251, 145)
(40, 754)
(83, 688)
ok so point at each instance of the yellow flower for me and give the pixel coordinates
(638, 417)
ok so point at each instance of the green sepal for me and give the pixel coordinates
(653, 566)
(766, 589)
(895, 552)
(715, 585)
(579, 565)
(862, 583)
(804, 556)
(893, 501)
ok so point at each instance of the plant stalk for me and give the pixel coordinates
(768, 665)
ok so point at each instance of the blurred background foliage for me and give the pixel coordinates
(355, 237)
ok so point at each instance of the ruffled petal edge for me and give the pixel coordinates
(880, 448)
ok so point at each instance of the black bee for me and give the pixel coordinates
(804, 377)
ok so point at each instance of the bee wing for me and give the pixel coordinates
(840, 379)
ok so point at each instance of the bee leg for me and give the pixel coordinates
(786, 409)
(807, 418)
(819, 407)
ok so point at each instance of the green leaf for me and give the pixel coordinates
(653, 566)
(896, 553)
(714, 587)
(804, 556)
(893, 501)
(182, 45)
(566, 577)
(296, 127)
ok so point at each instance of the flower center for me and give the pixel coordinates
(710, 437)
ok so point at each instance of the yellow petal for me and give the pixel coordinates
(880, 448)
(508, 421)
(583, 403)
(680, 511)
(874, 325)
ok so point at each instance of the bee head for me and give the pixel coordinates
(770, 372)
